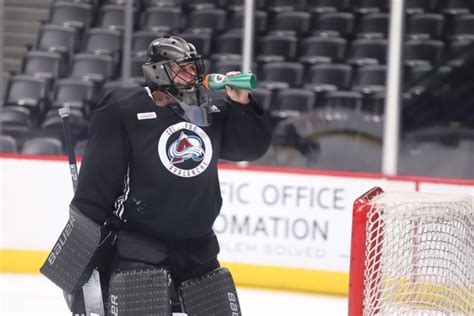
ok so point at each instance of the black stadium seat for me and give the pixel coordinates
(92, 67)
(282, 75)
(325, 6)
(370, 6)
(335, 24)
(425, 26)
(420, 6)
(455, 7)
(329, 77)
(417, 72)
(207, 20)
(291, 22)
(292, 102)
(53, 124)
(163, 3)
(423, 52)
(463, 27)
(274, 48)
(8, 144)
(135, 3)
(112, 16)
(370, 79)
(228, 46)
(18, 132)
(374, 105)
(42, 146)
(368, 52)
(74, 93)
(78, 15)
(236, 20)
(48, 65)
(238, 5)
(103, 42)
(344, 111)
(162, 19)
(322, 50)
(343, 99)
(373, 25)
(204, 4)
(16, 122)
(15, 115)
(57, 38)
(277, 6)
(458, 45)
(28, 91)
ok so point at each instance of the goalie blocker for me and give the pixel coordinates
(77, 252)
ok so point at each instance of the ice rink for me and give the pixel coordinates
(29, 295)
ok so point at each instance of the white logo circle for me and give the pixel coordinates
(185, 144)
(219, 78)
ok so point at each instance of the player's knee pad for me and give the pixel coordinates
(213, 294)
(140, 292)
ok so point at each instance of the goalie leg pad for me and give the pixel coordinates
(211, 294)
(140, 292)
(76, 253)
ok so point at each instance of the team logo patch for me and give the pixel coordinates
(218, 78)
(185, 150)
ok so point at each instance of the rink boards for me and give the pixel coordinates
(279, 228)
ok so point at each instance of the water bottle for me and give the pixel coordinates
(246, 81)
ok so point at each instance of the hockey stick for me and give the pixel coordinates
(92, 293)
(65, 113)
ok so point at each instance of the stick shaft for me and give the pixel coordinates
(64, 113)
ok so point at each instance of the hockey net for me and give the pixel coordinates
(412, 254)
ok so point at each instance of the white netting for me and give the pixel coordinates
(419, 255)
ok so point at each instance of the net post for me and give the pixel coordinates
(357, 261)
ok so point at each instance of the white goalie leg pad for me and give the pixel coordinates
(140, 292)
(211, 294)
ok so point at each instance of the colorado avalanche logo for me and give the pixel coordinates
(185, 149)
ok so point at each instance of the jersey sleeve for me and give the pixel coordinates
(246, 132)
(104, 163)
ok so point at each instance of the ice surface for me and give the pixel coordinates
(29, 295)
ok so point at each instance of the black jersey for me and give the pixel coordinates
(157, 172)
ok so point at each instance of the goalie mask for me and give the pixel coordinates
(174, 67)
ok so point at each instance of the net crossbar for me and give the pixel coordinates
(419, 255)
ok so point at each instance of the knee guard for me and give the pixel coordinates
(140, 292)
(211, 294)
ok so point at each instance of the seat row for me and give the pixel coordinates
(102, 52)
(318, 6)
(174, 19)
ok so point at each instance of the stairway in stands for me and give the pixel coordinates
(22, 21)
